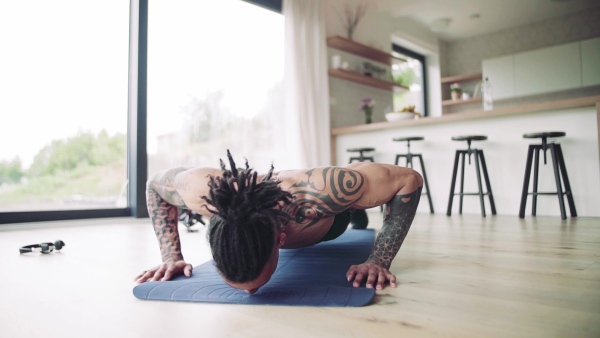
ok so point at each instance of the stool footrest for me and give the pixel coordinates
(549, 193)
(471, 193)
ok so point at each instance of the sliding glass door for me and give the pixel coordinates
(64, 80)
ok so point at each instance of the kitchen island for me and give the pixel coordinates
(505, 152)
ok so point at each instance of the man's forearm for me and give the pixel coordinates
(399, 216)
(165, 219)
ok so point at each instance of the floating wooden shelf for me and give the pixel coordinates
(462, 78)
(359, 49)
(366, 80)
(459, 102)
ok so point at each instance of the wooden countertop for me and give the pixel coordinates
(472, 115)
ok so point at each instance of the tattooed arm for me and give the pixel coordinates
(400, 212)
(163, 202)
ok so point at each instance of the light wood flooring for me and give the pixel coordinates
(459, 276)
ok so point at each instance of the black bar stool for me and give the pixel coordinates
(558, 163)
(361, 157)
(480, 166)
(409, 163)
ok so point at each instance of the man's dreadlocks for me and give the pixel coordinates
(242, 230)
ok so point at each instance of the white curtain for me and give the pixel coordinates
(307, 126)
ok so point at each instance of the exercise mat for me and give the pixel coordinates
(312, 276)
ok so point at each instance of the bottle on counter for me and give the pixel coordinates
(488, 103)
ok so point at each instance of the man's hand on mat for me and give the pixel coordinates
(375, 274)
(165, 271)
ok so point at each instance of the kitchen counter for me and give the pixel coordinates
(505, 152)
(473, 115)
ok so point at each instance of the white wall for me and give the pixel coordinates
(505, 152)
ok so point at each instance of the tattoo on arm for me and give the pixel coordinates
(334, 190)
(166, 187)
(396, 223)
(163, 201)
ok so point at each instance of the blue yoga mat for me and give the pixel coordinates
(312, 276)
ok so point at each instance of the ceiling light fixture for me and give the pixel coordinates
(440, 25)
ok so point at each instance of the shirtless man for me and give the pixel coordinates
(253, 216)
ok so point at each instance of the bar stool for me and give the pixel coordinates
(409, 163)
(558, 163)
(361, 157)
(480, 166)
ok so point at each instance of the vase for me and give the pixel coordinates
(455, 95)
(350, 30)
(368, 117)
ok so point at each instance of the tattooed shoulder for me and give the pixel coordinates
(324, 192)
(166, 184)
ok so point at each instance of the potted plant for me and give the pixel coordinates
(455, 91)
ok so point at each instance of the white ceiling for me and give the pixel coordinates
(494, 15)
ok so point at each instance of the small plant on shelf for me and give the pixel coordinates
(455, 91)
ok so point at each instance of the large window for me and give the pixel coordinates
(63, 79)
(215, 73)
(410, 74)
(70, 147)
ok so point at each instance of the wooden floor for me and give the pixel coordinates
(459, 276)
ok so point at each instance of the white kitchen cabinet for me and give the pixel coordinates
(548, 69)
(590, 61)
(501, 74)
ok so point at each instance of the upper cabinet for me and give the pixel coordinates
(562, 67)
(500, 73)
(548, 69)
(366, 52)
(590, 61)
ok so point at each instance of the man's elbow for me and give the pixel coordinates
(414, 180)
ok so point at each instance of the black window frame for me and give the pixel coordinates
(421, 58)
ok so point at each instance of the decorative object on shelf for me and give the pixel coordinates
(352, 17)
(407, 113)
(354, 72)
(336, 61)
(465, 96)
(370, 69)
(398, 116)
(367, 107)
(455, 91)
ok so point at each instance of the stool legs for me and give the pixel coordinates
(536, 171)
(426, 184)
(526, 181)
(409, 164)
(560, 170)
(559, 191)
(480, 167)
(565, 177)
(487, 182)
(449, 211)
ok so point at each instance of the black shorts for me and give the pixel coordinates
(359, 220)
